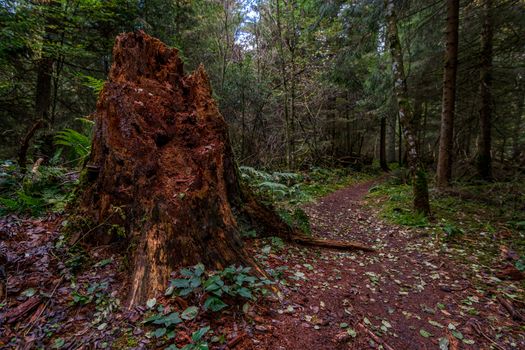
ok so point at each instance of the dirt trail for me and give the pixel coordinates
(407, 295)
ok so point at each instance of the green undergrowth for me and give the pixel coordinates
(286, 191)
(207, 293)
(50, 186)
(47, 188)
(478, 218)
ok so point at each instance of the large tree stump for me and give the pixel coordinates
(161, 177)
(162, 171)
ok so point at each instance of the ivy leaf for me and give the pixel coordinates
(169, 291)
(180, 283)
(214, 304)
(171, 334)
(195, 282)
(103, 263)
(29, 292)
(190, 313)
(170, 320)
(59, 343)
(185, 292)
(199, 270)
(159, 332)
(196, 336)
(245, 293)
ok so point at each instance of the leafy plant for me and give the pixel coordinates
(234, 282)
(93, 291)
(79, 144)
(452, 231)
(48, 187)
(197, 343)
(91, 82)
(275, 186)
(297, 218)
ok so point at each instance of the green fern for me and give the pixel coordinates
(277, 185)
(91, 82)
(80, 144)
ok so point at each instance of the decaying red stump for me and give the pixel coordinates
(161, 171)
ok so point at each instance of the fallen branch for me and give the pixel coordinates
(375, 337)
(516, 316)
(41, 311)
(235, 341)
(18, 312)
(477, 328)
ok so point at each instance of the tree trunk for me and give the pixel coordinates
(485, 87)
(43, 86)
(282, 60)
(399, 143)
(382, 145)
(419, 180)
(161, 177)
(392, 139)
(444, 167)
(42, 106)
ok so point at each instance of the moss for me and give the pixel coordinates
(125, 341)
(469, 218)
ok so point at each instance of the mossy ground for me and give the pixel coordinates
(479, 219)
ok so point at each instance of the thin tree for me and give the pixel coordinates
(419, 179)
(444, 167)
(382, 145)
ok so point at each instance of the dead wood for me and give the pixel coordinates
(23, 309)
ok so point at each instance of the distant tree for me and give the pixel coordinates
(418, 173)
(444, 166)
(485, 94)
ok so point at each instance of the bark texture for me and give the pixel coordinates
(444, 167)
(406, 116)
(161, 171)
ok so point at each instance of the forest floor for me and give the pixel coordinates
(413, 292)
(410, 294)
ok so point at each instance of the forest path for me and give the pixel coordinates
(407, 295)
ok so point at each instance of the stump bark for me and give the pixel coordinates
(161, 177)
(161, 171)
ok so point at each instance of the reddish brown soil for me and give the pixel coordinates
(405, 285)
